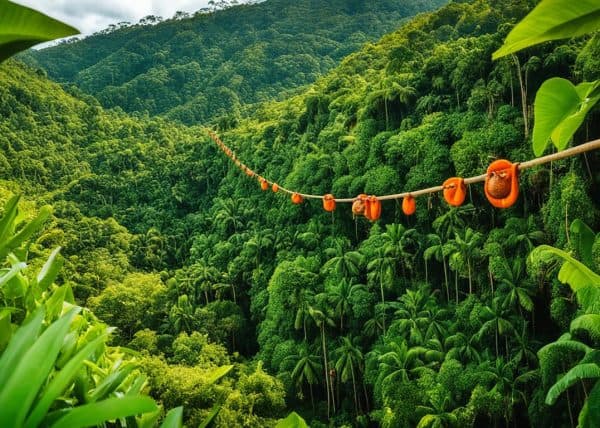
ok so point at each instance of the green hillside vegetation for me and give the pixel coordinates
(193, 69)
(438, 319)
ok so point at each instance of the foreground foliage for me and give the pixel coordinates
(440, 319)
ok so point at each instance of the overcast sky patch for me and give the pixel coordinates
(89, 16)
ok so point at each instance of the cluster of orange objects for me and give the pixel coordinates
(501, 188)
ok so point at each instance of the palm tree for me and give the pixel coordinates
(462, 348)
(524, 233)
(345, 264)
(436, 250)
(350, 360)
(398, 362)
(502, 376)
(374, 326)
(382, 269)
(181, 315)
(495, 319)
(302, 299)
(411, 317)
(228, 214)
(436, 415)
(525, 348)
(340, 297)
(514, 285)
(306, 370)
(452, 221)
(204, 276)
(321, 319)
(466, 249)
(398, 241)
(259, 243)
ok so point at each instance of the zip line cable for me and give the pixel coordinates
(503, 168)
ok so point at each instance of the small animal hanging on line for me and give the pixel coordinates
(502, 183)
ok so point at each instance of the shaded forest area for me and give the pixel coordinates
(438, 319)
(202, 67)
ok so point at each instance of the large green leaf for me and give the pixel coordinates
(22, 27)
(5, 325)
(293, 420)
(174, 418)
(589, 323)
(559, 110)
(112, 382)
(552, 20)
(7, 223)
(576, 374)
(583, 237)
(31, 371)
(589, 417)
(62, 379)
(26, 232)
(573, 272)
(113, 408)
(214, 411)
(21, 341)
(50, 270)
(218, 373)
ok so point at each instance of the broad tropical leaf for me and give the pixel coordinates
(589, 323)
(572, 272)
(589, 417)
(28, 374)
(22, 27)
(552, 20)
(559, 110)
(62, 379)
(584, 238)
(293, 420)
(576, 374)
(113, 408)
(174, 418)
(50, 270)
(218, 373)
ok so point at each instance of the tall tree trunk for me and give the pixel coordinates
(326, 369)
(446, 278)
(387, 124)
(496, 336)
(382, 305)
(470, 282)
(456, 284)
(354, 388)
(523, 95)
(368, 405)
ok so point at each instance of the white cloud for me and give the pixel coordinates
(90, 16)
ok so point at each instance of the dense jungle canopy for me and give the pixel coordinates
(242, 307)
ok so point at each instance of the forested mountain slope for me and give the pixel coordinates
(194, 69)
(439, 312)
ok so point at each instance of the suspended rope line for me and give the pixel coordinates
(501, 181)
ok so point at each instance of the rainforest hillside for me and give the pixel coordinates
(443, 317)
(196, 68)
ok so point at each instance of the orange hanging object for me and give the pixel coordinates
(297, 198)
(275, 188)
(329, 202)
(455, 191)
(249, 172)
(409, 205)
(263, 184)
(502, 183)
(359, 204)
(373, 208)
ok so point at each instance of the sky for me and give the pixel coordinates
(89, 16)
